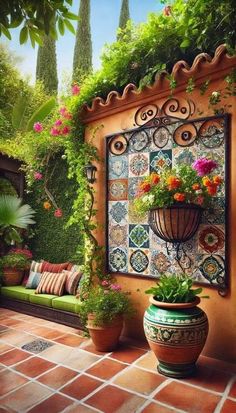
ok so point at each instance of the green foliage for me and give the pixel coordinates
(106, 303)
(46, 69)
(13, 260)
(174, 289)
(36, 17)
(43, 111)
(82, 61)
(124, 17)
(6, 187)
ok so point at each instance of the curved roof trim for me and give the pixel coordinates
(202, 66)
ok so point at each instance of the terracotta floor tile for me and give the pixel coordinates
(3, 328)
(157, 408)
(81, 387)
(11, 322)
(34, 367)
(46, 332)
(122, 401)
(138, 380)
(26, 397)
(56, 353)
(149, 362)
(79, 408)
(10, 381)
(57, 377)
(53, 404)
(89, 346)
(217, 364)
(232, 392)
(7, 313)
(80, 360)
(211, 379)
(127, 354)
(15, 338)
(132, 342)
(106, 369)
(13, 357)
(229, 407)
(188, 398)
(5, 347)
(70, 340)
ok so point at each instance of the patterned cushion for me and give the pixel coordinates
(49, 267)
(72, 281)
(51, 283)
(33, 280)
(36, 266)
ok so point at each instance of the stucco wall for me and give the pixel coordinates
(221, 311)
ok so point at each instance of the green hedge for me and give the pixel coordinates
(51, 241)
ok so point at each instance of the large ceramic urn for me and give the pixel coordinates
(176, 333)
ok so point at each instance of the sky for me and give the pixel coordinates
(104, 23)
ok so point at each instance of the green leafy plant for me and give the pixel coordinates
(106, 302)
(174, 289)
(14, 260)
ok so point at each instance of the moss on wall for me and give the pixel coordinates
(51, 241)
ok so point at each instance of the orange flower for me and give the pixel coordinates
(212, 189)
(217, 180)
(173, 182)
(180, 197)
(206, 181)
(47, 205)
(154, 178)
(145, 187)
(196, 187)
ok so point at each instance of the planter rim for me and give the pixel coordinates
(179, 206)
(163, 304)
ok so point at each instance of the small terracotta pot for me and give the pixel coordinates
(176, 332)
(12, 276)
(105, 337)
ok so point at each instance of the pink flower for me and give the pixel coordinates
(62, 110)
(58, 122)
(204, 166)
(38, 127)
(105, 283)
(38, 176)
(115, 287)
(55, 131)
(199, 200)
(58, 213)
(24, 251)
(75, 90)
(65, 130)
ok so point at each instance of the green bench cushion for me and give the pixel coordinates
(67, 303)
(19, 292)
(42, 299)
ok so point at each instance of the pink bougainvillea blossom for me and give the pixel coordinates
(58, 213)
(105, 283)
(115, 287)
(38, 176)
(62, 110)
(75, 89)
(38, 127)
(55, 131)
(58, 122)
(65, 130)
(204, 166)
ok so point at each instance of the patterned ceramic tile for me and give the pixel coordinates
(134, 218)
(118, 212)
(160, 160)
(183, 156)
(118, 235)
(212, 268)
(118, 167)
(118, 189)
(133, 187)
(139, 141)
(139, 261)
(216, 214)
(211, 239)
(118, 260)
(138, 165)
(139, 236)
(159, 263)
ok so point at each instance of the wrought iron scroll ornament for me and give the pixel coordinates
(164, 136)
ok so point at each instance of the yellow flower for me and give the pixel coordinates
(47, 205)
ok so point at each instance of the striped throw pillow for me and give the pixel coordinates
(72, 281)
(49, 267)
(33, 280)
(51, 283)
(36, 266)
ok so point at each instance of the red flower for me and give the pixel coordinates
(145, 187)
(196, 187)
(180, 197)
(212, 189)
(173, 182)
(217, 180)
(58, 213)
(154, 179)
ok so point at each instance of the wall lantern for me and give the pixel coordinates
(90, 171)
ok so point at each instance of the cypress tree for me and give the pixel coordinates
(124, 15)
(82, 62)
(46, 69)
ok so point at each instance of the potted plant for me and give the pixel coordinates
(176, 329)
(175, 200)
(103, 311)
(13, 265)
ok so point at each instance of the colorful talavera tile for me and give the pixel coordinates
(118, 167)
(182, 156)
(138, 165)
(134, 218)
(118, 212)
(156, 243)
(139, 141)
(159, 263)
(118, 260)
(211, 239)
(133, 187)
(118, 235)
(160, 160)
(215, 215)
(139, 236)
(161, 137)
(118, 189)
(211, 133)
(138, 261)
(212, 267)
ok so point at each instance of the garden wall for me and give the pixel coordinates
(118, 115)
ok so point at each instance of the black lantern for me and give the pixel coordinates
(90, 171)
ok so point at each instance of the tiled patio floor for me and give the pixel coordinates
(69, 376)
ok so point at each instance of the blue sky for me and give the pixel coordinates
(104, 23)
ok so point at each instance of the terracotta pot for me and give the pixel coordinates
(105, 337)
(176, 333)
(177, 223)
(12, 276)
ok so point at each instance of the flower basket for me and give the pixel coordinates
(12, 276)
(177, 223)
